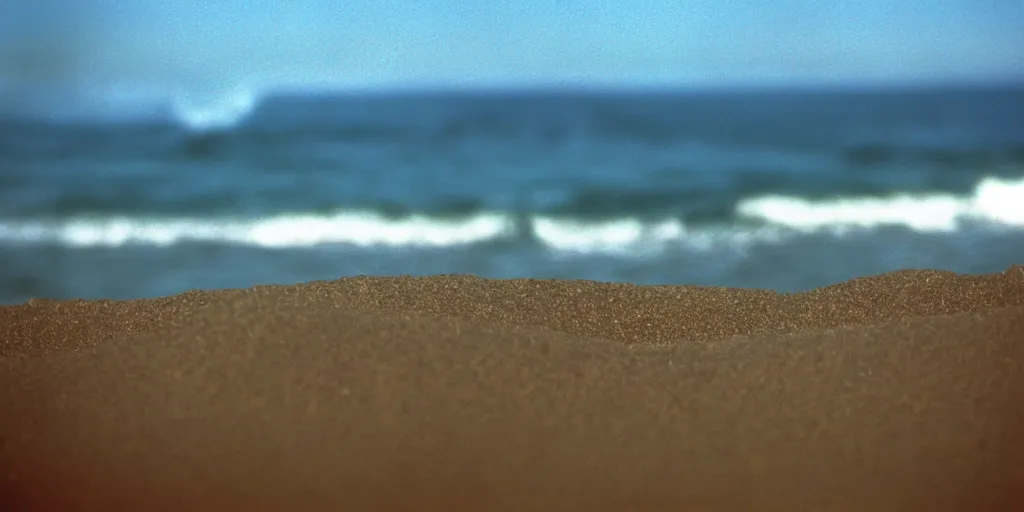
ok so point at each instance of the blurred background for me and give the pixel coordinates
(155, 146)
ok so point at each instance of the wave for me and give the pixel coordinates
(766, 219)
(369, 229)
(993, 200)
(609, 236)
(214, 113)
(283, 231)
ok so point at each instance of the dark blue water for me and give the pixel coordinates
(780, 190)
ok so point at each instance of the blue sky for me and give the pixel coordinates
(174, 45)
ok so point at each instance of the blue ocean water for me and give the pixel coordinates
(786, 190)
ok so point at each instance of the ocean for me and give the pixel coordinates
(784, 190)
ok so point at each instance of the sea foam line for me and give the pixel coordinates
(993, 200)
(368, 229)
(775, 219)
(287, 230)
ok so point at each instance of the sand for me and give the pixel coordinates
(903, 391)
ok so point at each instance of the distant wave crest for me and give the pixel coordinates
(218, 112)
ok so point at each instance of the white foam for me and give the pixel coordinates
(355, 228)
(366, 229)
(999, 201)
(216, 112)
(994, 201)
(614, 236)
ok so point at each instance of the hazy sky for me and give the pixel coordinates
(133, 46)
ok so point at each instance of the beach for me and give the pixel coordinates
(511, 256)
(900, 391)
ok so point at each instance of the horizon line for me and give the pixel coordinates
(613, 87)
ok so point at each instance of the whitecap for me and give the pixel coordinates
(994, 201)
(203, 113)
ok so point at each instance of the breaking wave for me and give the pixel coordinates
(766, 219)
(214, 113)
(282, 231)
(993, 200)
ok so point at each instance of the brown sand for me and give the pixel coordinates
(898, 392)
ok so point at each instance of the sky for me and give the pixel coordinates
(140, 47)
